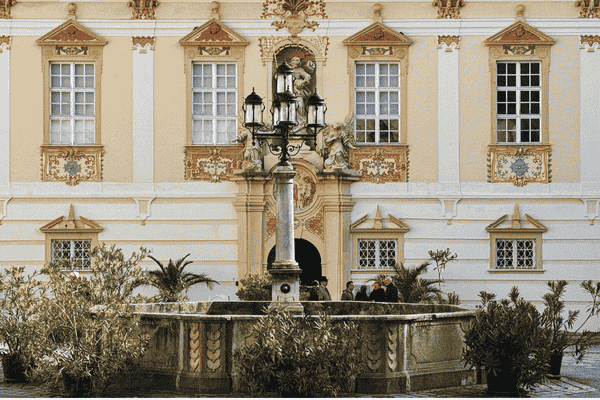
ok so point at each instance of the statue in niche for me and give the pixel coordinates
(302, 62)
(252, 151)
(338, 140)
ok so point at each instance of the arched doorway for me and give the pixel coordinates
(308, 259)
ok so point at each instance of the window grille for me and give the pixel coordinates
(72, 103)
(376, 254)
(77, 251)
(515, 254)
(214, 103)
(518, 100)
(377, 102)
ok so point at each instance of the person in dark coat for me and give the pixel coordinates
(391, 292)
(362, 294)
(322, 290)
(377, 293)
(348, 294)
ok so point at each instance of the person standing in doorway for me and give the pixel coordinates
(323, 291)
(348, 294)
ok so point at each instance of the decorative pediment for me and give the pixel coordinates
(213, 33)
(519, 33)
(379, 224)
(71, 225)
(377, 33)
(69, 33)
(516, 224)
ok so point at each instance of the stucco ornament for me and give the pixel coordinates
(295, 14)
(338, 140)
(519, 166)
(253, 154)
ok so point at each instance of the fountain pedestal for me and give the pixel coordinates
(285, 272)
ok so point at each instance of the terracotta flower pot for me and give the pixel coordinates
(555, 366)
(503, 382)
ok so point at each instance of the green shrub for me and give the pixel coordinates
(300, 356)
(508, 336)
(255, 288)
(97, 331)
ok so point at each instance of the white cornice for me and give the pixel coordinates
(331, 28)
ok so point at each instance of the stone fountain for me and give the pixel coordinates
(408, 347)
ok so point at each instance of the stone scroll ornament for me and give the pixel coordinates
(210, 163)
(338, 140)
(295, 14)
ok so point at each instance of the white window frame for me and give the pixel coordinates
(377, 116)
(72, 91)
(86, 261)
(214, 118)
(377, 251)
(515, 253)
(518, 116)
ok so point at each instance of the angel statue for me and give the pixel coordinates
(252, 151)
(338, 139)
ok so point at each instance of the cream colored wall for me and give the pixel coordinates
(422, 134)
(26, 110)
(169, 110)
(336, 82)
(506, 9)
(564, 109)
(474, 108)
(117, 118)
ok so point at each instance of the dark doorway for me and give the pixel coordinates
(308, 259)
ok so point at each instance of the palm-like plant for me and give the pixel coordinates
(171, 281)
(411, 288)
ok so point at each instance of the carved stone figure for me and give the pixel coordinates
(338, 139)
(252, 152)
(302, 78)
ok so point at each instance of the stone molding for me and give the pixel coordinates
(588, 8)
(71, 225)
(448, 42)
(519, 165)
(294, 15)
(448, 8)
(589, 42)
(72, 164)
(211, 163)
(143, 43)
(380, 164)
(143, 9)
(271, 45)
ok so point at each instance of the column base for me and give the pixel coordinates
(286, 286)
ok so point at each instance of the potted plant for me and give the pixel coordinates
(558, 327)
(507, 342)
(20, 328)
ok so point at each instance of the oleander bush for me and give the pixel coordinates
(255, 287)
(297, 356)
(94, 334)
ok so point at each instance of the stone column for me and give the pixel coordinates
(285, 271)
(589, 61)
(4, 117)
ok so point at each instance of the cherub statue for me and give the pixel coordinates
(338, 140)
(252, 151)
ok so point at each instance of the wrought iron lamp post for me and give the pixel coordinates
(285, 271)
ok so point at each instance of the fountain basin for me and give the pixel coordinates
(407, 347)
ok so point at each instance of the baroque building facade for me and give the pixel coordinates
(451, 124)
